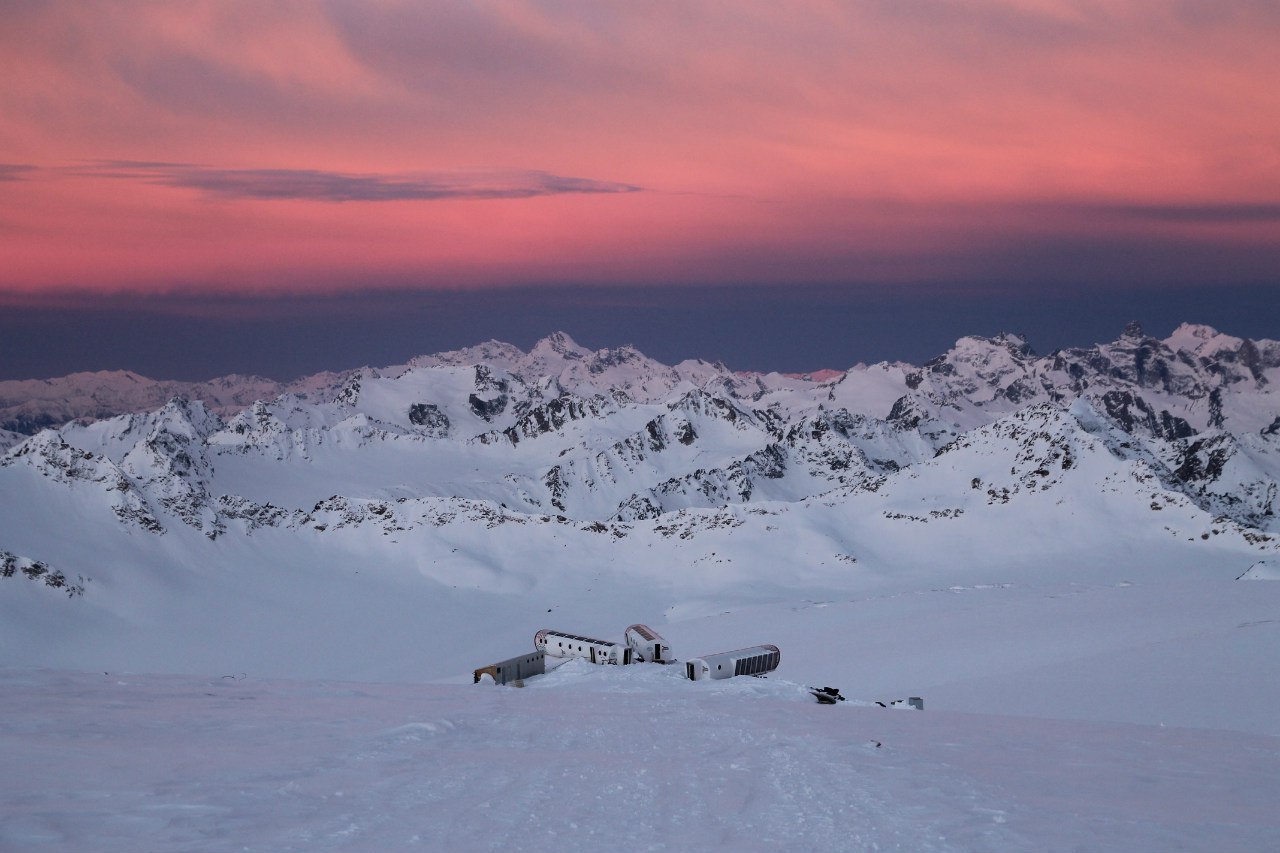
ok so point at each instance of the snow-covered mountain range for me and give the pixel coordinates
(615, 437)
(491, 471)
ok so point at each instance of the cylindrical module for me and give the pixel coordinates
(561, 645)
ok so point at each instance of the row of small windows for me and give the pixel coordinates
(582, 640)
(756, 664)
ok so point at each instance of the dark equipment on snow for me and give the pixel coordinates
(826, 695)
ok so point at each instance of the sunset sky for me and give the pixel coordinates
(191, 188)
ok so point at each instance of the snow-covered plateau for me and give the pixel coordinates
(246, 618)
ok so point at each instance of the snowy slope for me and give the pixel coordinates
(592, 759)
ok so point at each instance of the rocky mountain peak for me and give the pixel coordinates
(1016, 343)
(1133, 331)
(1201, 340)
(559, 344)
(189, 418)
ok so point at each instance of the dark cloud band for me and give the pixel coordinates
(318, 185)
(1157, 213)
(1226, 214)
(13, 171)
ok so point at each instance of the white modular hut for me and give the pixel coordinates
(755, 660)
(647, 645)
(561, 645)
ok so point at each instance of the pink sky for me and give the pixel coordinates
(261, 148)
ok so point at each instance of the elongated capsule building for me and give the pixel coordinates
(562, 645)
(647, 645)
(755, 660)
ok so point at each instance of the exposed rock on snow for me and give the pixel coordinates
(11, 565)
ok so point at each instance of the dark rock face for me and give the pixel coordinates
(685, 434)
(1249, 356)
(770, 462)
(904, 414)
(1215, 408)
(1019, 391)
(657, 441)
(553, 415)
(556, 485)
(429, 416)
(485, 380)
(487, 410)
(350, 394)
(1204, 460)
(1134, 414)
(940, 366)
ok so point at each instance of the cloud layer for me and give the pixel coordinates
(889, 141)
(13, 171)
(317, 185)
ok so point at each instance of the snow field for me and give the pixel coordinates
(594, 759)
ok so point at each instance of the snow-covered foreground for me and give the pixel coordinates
(597, 759)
